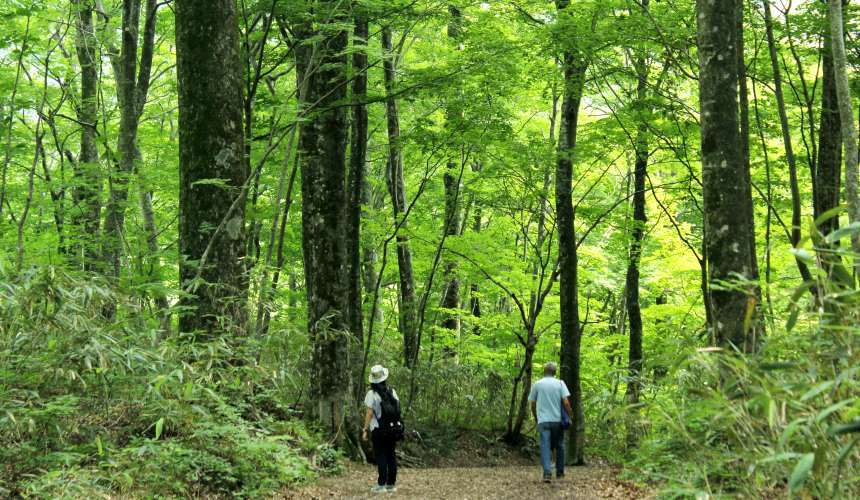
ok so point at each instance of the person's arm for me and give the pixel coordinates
(533, 402)
(368, 415)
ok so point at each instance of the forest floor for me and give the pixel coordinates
(515, 482)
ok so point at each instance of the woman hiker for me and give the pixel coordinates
(379, 396)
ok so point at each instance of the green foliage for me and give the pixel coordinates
(91, 407)
(782, 420)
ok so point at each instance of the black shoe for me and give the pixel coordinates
(559, 477)
(547, 478)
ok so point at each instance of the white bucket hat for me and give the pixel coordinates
(378, 373)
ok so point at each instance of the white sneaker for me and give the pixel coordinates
(378, 489)
(391, 488)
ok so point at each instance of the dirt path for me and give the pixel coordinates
(473, 483)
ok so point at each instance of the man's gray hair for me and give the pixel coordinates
(550, 368)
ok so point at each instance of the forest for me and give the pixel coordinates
(217, 215)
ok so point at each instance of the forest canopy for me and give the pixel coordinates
(216, 215)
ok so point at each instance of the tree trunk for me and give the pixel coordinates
(729, 230)
(88, 183)
(211, 267)
(634, 313)
(451, 224)
(407, 304)
(744, 111)
(357, 173)
(786, 140)
(474, 289)
(127, 142)
(846, 116)
(475, 294)
(451, 228)
(526, 381)
(154, 271)
(369, 258)
(322, 146)
(829, 169)
(571, 333)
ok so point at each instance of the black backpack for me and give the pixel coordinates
(390, 422)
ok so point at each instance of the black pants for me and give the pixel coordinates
(386, 460)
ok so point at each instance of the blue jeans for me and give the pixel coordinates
(551, 438)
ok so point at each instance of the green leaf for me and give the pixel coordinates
(833, 212)
(779, 457)
(801, 472)
(789, 431)
(842, 232)
(831, 409)
(159, 426)
(215, 181)
(816, 390)
(779, 365)
(845, 428)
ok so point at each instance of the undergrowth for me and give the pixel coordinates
(90, 408)
(782, 422)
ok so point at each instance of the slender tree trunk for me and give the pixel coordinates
(154, 271)
(526, 381)
(87, 172)
(728, 226)
(786, 140)
(369, 257)
(322, 147)
(744, 110)
(451, 224)
(285, 188)
(279, 259)
(397, 190)
(634, 313)
(474, 288)
(210, 147)
(127, 142)
(451, 228)
(829, 169)
(571, 333)
(846, 116)
(770, 210)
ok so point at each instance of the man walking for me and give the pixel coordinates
(547, 397)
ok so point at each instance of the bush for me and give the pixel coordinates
(90, 408)
(783, 420)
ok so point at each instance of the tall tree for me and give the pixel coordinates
(322, 147)
(87, 172)
(212, 172)
(728, 226)
(634, 311)
(574, 67)
(846, 117)
(451, 223)
(744, 110)
(357, 183)
(408, 304)
(786, 140)
(828, 172)
(474, 289)
(451, 227)
(125, 70)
